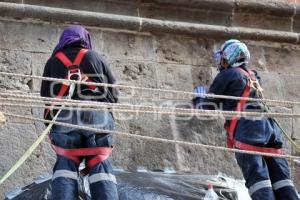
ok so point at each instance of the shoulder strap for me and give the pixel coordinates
(63, 58)
(250, 74)
(240, 107)
(80, 56)
(66, 61)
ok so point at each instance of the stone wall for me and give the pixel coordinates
(156, 59)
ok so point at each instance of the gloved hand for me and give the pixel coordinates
(200, 90)
(197, 100)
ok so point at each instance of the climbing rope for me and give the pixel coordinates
(202, 113)
(147, 109)
(30, 150)
(75, 104)
(150, 89)
(154, 139)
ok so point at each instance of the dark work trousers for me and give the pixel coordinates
(65, 172)
(267, 178)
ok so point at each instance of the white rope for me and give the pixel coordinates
(105, 108)
(150, 89)
(78, 104)
(148, 138)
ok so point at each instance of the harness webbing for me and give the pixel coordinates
(96, 154)
(231, 128)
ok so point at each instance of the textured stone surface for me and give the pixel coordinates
(121, 7)
(156, 60)
(282, 60)
(37, 65)
(128, 46)
(15, 62)
(174, 76)
(189, 15)
(204, 131)
(38, 38)
(184, 50)
(15, 139)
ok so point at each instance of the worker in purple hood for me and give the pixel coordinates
(74, 59)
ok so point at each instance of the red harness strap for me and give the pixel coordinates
(68, 64)
(98, 154)
(248, 147)
(231, 142)
(63, 58)
(240, 106)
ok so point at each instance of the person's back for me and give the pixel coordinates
(267, 178)
(232, 82)
(74, 53)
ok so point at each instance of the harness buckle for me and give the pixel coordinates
(74, 74)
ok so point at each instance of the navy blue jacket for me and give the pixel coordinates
(262, 132)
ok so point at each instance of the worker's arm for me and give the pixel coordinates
(218, 87)
(103, 74)
(113, 91)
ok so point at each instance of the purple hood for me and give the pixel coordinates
(74, 34)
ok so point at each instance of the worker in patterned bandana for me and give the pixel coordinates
(267, 178)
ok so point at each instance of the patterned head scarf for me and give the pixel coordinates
(234, 52)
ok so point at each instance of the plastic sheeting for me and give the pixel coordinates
(143, 186)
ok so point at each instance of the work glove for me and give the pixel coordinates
(199, 99)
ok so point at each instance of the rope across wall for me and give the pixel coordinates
(8, 99)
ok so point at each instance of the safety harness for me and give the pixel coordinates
(95, 155)
(252, 83)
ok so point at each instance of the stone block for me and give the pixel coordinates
(154, 125)
(287, 125)
(291, 86)
(13, 1)
(202, 76)
(33, 37)
(134, 73)
(220, 5)
(15, 62)
(273, 85)
(15, 139)
(184, 50)
(258, 61)
(131, 153)
(208, 161)
(182, 13)
(272, 15)
(295, 171)
(17, 110)
(120, 7)
(261, 21)
(272, 7)
(128, 46)
(38, 63)
(282, 60)
(97, 40)
(46, 151)
(296, 127)
(174, 76)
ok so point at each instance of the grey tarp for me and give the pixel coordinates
(140, 186)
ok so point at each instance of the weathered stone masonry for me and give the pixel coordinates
(170, 48)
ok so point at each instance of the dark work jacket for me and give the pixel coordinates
(92, 65)
(262, 132)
